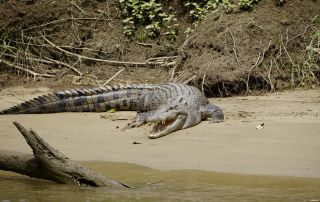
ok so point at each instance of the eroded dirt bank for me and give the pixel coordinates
(288, 145)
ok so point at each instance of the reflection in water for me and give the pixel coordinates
(153, 185)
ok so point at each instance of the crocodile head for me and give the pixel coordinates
(168, 122)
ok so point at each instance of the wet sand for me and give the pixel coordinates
(288, 145)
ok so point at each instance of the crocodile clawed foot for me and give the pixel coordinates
(216, 121)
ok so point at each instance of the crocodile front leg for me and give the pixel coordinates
(141, 118)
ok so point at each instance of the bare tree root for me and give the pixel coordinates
(258, 62)
(48, 163)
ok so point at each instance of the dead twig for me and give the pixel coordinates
(30, 58)
(187, 81)
(80, 9)
(63, 20)
(202, 83)
(234, 46)
(173, 72)
(248, 76)
(204, 75)
(161, 59)
(47, 60)
(183, 77)
(145, 44)
(269, 77)
(28, 71)
(64, 64)
(290, 59)
(116, 74)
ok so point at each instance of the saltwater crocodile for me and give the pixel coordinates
(171, 106)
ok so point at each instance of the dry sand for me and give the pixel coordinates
(288, 145)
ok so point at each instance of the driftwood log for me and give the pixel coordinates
(48, 163)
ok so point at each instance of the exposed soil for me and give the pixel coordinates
(226, 47)
(222, 52)
(98, 33)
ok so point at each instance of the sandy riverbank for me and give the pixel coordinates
(288, 145)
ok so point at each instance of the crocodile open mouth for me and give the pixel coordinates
(162, 128)
(162, 125)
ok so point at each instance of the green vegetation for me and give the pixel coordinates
(148, 18)
(199, 9)
(146, 15)
(246, 4)
(4, 42)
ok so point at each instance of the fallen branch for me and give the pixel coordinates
(48, 163)
(28, 71)
(48, 60)
(62, 20)
(29, 58)
(64, 64)
(109, 62)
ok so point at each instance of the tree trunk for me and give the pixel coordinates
(48, 163)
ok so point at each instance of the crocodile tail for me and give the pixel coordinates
(83, 100)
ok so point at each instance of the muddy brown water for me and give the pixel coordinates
(154, 185)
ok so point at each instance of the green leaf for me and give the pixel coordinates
(112, 111)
